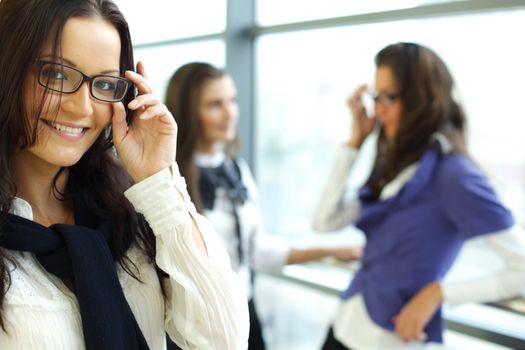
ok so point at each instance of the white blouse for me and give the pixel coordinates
(261, 251)
(204, 306)
(338, 208)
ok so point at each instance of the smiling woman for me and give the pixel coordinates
(98, 251)
(71, 121)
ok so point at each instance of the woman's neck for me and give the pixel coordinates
(209, 147)
(39, 185)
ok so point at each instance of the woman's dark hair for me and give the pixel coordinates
(24, 28)
(182, 99)
(426, 92)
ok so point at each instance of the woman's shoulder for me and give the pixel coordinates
(459, 175)
(241, 163)
(456, 166)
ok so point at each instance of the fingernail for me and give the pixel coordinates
(132, 104)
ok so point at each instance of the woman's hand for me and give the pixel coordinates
(348, 253)
(362, 123)
(411, 321)
(148, 144)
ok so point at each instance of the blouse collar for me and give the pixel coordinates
(209, 160)
(22, 208)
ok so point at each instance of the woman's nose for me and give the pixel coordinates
(378, 110)
(231, 110)
(79, 102)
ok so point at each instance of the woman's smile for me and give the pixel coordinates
(67, 131)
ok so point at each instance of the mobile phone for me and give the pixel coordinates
(132, 93)
(367, 99)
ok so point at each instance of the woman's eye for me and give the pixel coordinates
(215, 104)
(104, 85)
(53, 73)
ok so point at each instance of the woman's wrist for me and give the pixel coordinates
(436, 291)
(354, 142)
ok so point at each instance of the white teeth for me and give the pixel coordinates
(68, 129)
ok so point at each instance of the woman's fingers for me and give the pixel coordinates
(140, 82)
(146, 105)
(355, 99)
(142, 101)
(149, 107)
(409, 327)
(141, 70)
(159, 110)
(355, 102)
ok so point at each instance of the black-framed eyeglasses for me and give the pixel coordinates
(385, 99)
(65, 79)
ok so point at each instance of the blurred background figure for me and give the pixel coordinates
(423, 199)
(203, 100)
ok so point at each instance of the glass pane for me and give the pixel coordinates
(160, 20)
(304, 79)
(270, 12)
(161, 62)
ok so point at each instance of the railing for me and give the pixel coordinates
(501, 323)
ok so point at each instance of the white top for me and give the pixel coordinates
(337, 209)
(262, 252)
(204, 307)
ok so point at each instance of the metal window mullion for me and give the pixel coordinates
(240, 64)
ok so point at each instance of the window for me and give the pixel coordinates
(305, 77)
(273, 12)
(168, 34)
(159, 20)
(162, 61)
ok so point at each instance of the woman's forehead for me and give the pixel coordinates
(385, 78)
(88, 43)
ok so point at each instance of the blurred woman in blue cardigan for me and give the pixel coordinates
(423, 199)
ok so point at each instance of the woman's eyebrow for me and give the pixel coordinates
(72, 64)
(58, 59)
(110, 71)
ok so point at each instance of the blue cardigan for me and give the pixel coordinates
(414, 237)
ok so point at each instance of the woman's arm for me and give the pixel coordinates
(205, 304)
(332, 211)
(508, 282)
(299, 256)
(270, 254)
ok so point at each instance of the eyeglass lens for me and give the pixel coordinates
(385, 99)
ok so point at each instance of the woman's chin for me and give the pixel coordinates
(229, 136)
(389, 133)
(65, 161)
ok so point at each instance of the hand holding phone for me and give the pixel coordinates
(367, 100)
(361, 105)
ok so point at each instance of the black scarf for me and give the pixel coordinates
(227, 176)
(81, 252)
